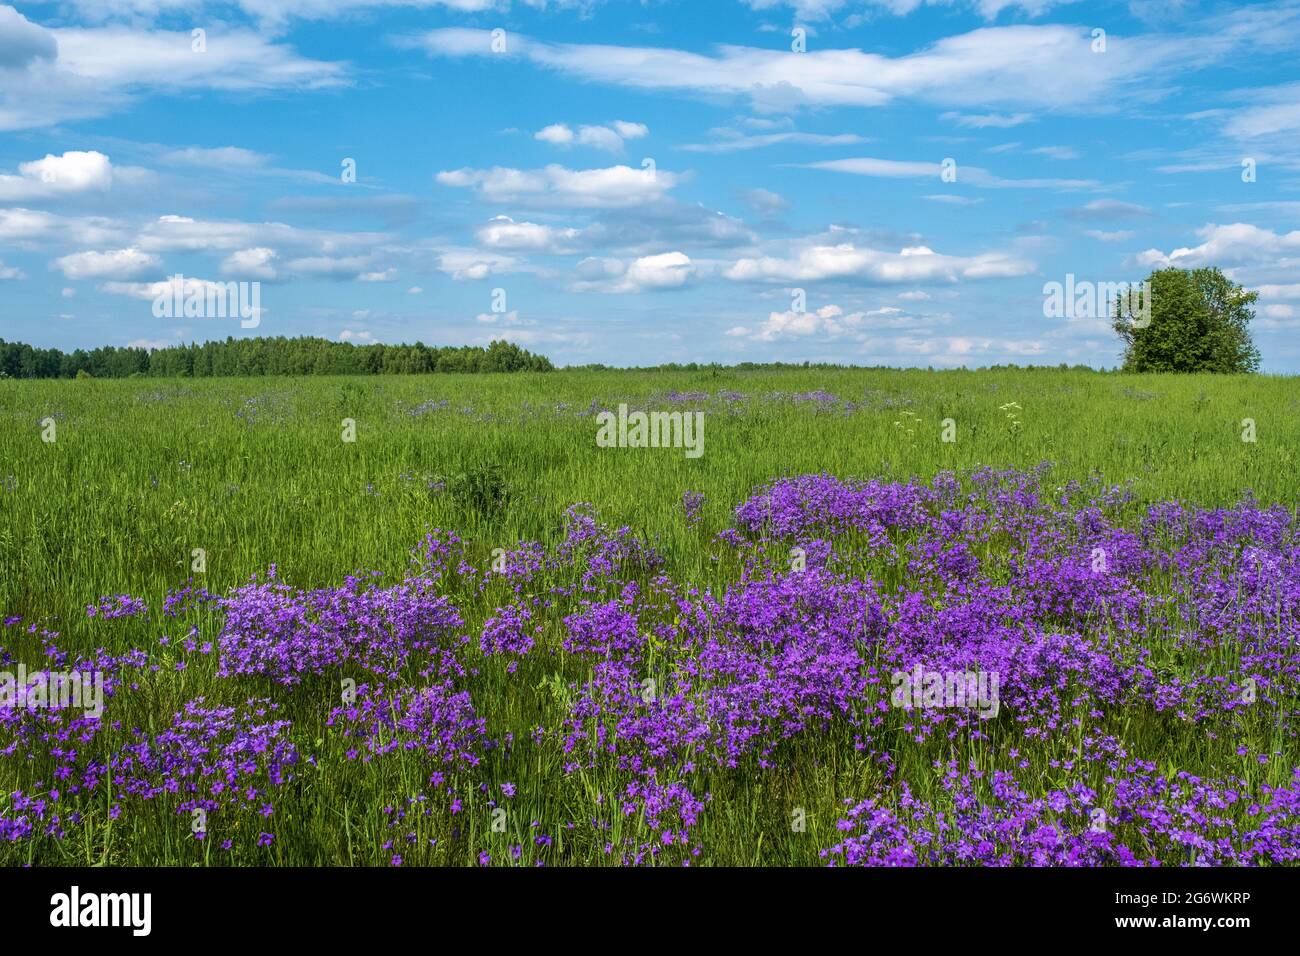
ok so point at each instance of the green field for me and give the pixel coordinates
(255, 472)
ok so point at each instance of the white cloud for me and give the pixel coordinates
(72, 172)
(502, 232)
(824, 322)
(1279, 113)
(558, 134)
(607, 137)
(381, 275)
(1025, 66)
(348, 335)
(115, 264)
(952, 199)
(469, 264)
(23, 42)
(884, 168)
(255, 263)
(1236, 243)
(608, 188)
(99, 70)
(219, 157)
(668, 270)
(600, 137)
(28, 226)
(972, 175)
(1270, 291)
(10, 273)
(630, 130)
(189, 288)
(1119, 235)
(845, 260)
(173, 233)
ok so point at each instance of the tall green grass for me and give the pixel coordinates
(255, 472)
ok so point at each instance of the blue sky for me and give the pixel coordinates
(646, 182)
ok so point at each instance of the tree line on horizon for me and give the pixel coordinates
(1189, 320)
(304, 355)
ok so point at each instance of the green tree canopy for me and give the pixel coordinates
(266, 356)
(1188, 320)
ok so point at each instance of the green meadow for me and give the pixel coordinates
(140, 476)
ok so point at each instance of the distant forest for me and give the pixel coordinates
(264, 356)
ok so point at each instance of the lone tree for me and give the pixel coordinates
(1194, 320)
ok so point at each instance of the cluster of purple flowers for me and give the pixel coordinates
(1091, 616)
(274, 629)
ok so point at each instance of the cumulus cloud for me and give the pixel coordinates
(1275, 291)
(667, 270)
(29, 225)
(72, 172)
(610, 138)
(470, 264)
(502, 232)
(1236, 243)
(255, 263)
(828, 322)
(114, 264)
(610, 187)
(188, 288)
(557, 134)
